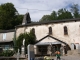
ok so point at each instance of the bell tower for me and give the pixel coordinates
(26, 19)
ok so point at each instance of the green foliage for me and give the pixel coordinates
(32, 37)
(45, 18)
(20, 39)
(53, 15)
(29, 39)
(8, 17)
(7, 14)
(18, 42)
(63, 14)
(18, 20)
(7, 53)
(75, 10)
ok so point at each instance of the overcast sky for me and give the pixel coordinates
(38, 8)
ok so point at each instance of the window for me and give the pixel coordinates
(4, 36)
(50, 30)
(65, 30)
(6, 46)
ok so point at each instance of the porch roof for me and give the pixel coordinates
(48, 43)
(53, 40)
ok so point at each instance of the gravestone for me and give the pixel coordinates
(22, 52)
(77, 44)
(79, 49)
(23, 49)
(62, 50)
(18, 55)
(31, 55)
(72, 46)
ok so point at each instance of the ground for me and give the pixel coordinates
(69, 57)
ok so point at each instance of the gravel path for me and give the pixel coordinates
(70, 57)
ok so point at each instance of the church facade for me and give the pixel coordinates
(55, 33)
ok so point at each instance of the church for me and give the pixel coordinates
(53, 34)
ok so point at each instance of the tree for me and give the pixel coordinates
(45, 18)
(75, 10)
(53, 15)
(29, 37)
(61, 14)
(18, 20)
(8, 17)
(18, 42)
(7, 14)
(64, 14)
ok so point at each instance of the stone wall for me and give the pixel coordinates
(19, 31)
(57, 31)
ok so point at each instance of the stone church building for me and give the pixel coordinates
(54, 33)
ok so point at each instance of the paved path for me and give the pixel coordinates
(70, 57)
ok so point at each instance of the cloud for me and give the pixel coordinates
(38, 8)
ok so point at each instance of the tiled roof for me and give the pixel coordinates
(52, 38)
(48, 22)
(5, 31)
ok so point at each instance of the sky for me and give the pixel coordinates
(38, 8)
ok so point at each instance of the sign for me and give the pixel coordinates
(72, 46)
(79, 49)
(31, 55)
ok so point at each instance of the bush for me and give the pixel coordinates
(7, 53)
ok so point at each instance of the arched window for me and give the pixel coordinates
(33, 30)
(50, 30)
(65, 30)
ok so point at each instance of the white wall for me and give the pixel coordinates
(8, 36)
(57, 31)
(19, 31)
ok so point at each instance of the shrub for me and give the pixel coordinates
(7, 53)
